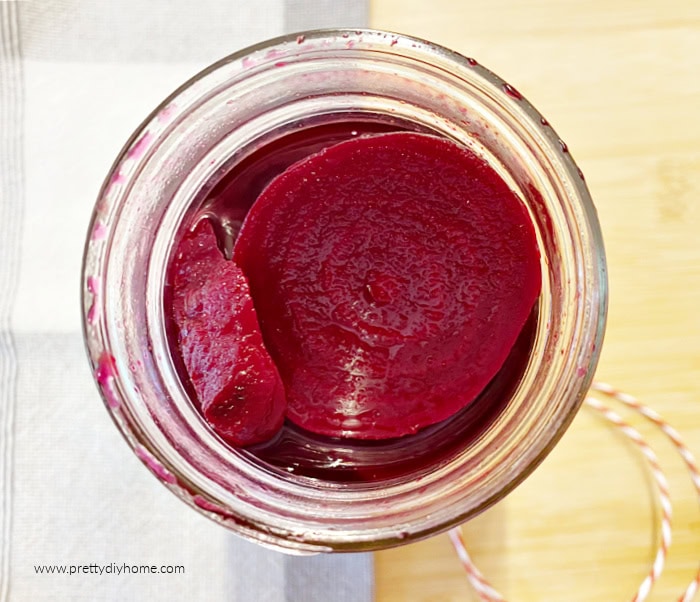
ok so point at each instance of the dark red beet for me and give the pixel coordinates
(391, 276)
(236, 383)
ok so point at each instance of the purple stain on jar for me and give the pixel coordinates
(512, 92)
(205, 504)
(300, 39)
(156, 467)
(136, 151)
(99, 232)
(93, 313)
(275, 54)
(247, 62)
(472, 61)
(564, 148)
(167, 113)
(116, 179)
(105, 374)
(93, 286)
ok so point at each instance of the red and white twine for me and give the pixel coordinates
(675, 438)
(489, 594)
(662, 489)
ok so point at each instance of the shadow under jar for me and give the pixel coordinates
(303, 493)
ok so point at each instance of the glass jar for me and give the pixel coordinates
(223, 115)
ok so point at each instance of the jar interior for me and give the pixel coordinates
(295, 453)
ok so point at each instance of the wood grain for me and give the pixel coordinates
(620, 82)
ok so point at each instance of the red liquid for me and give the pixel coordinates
(299, 451)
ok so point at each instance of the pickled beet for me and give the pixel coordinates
(391, 276)
(235, 381)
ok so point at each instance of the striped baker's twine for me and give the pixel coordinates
(487, 592)
(482, 587)
(662, 489)
(675, 438)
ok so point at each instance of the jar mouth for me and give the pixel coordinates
(220, 116)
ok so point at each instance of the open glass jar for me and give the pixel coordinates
(413, 487)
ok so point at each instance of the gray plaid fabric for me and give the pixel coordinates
(76, 77)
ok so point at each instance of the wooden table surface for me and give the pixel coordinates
(620, 82)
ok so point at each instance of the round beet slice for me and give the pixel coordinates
(235, 381)
(391, 276)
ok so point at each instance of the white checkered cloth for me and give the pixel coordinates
(76, 77)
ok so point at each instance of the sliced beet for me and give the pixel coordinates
(391, 276)
(236, 383)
